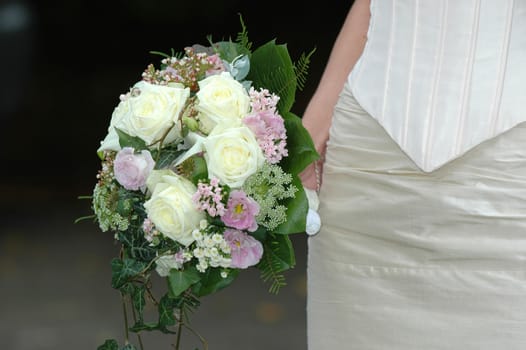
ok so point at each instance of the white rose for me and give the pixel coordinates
(171, 208)
(147, 112)
(232, 154)
(220, 98)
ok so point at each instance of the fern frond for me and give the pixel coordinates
(159, 53)
(242, 36)
(301, 68)
(210, 40)
(271, 268)
(177, 55)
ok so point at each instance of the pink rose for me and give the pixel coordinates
(245, 250)
(241, 212)
(131, 170)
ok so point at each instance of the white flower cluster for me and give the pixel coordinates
(211, 249)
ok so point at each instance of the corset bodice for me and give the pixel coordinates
(442, 76)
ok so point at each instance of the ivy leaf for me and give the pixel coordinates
(138, 300)
(297, 209)
(167, 156)
(166, 313)
(181, 280)
(129, 347)
(124, 270)
(140, 326)
(109, 344)
(299, 143)
(211, 281)
(126, 140)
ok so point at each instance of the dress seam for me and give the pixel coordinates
(495, 108)
(468, 79)
(405, 128)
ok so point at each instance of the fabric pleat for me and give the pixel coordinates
(414, 260)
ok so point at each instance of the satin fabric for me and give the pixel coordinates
(442, 76)
(414, 260)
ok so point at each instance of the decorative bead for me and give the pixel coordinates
(317, 166)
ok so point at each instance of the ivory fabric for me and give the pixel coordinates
(441, 76)
(414, 260)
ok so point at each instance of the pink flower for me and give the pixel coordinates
(262, 100)
(241, 212)
(131, 170)
(270, 132)
(245, 250)
(217, 65)
(208, 197)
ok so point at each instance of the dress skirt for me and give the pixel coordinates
(409, 260)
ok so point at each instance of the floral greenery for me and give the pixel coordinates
(192, 269)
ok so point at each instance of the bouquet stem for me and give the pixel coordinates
(203, 341)
(179, 328)
(125, 314)
(139, 339)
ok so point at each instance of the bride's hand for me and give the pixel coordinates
(311, 181)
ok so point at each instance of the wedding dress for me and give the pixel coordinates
(423, 201)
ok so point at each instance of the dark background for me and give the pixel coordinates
(63, 66)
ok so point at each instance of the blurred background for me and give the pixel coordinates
(63, 66)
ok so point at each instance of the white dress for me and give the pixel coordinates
(423, 202)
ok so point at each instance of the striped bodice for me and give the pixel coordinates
(442, 76)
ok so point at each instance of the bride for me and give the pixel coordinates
(419, 116)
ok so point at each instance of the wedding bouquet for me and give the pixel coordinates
(199, 177)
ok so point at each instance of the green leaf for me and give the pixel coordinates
(211, 281)
(126, 140)
(260, 234)
(124, 270)
(138, 300)
(272, 68)
(200, 170)
(127, 288)
(166, 312)
(229, 50)
(140, 327)
(297, 209)
(282, 252)
(110, 344)
(167, 156)
(299, 144)
(129, 347)
(181, 280)
(194, 169)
